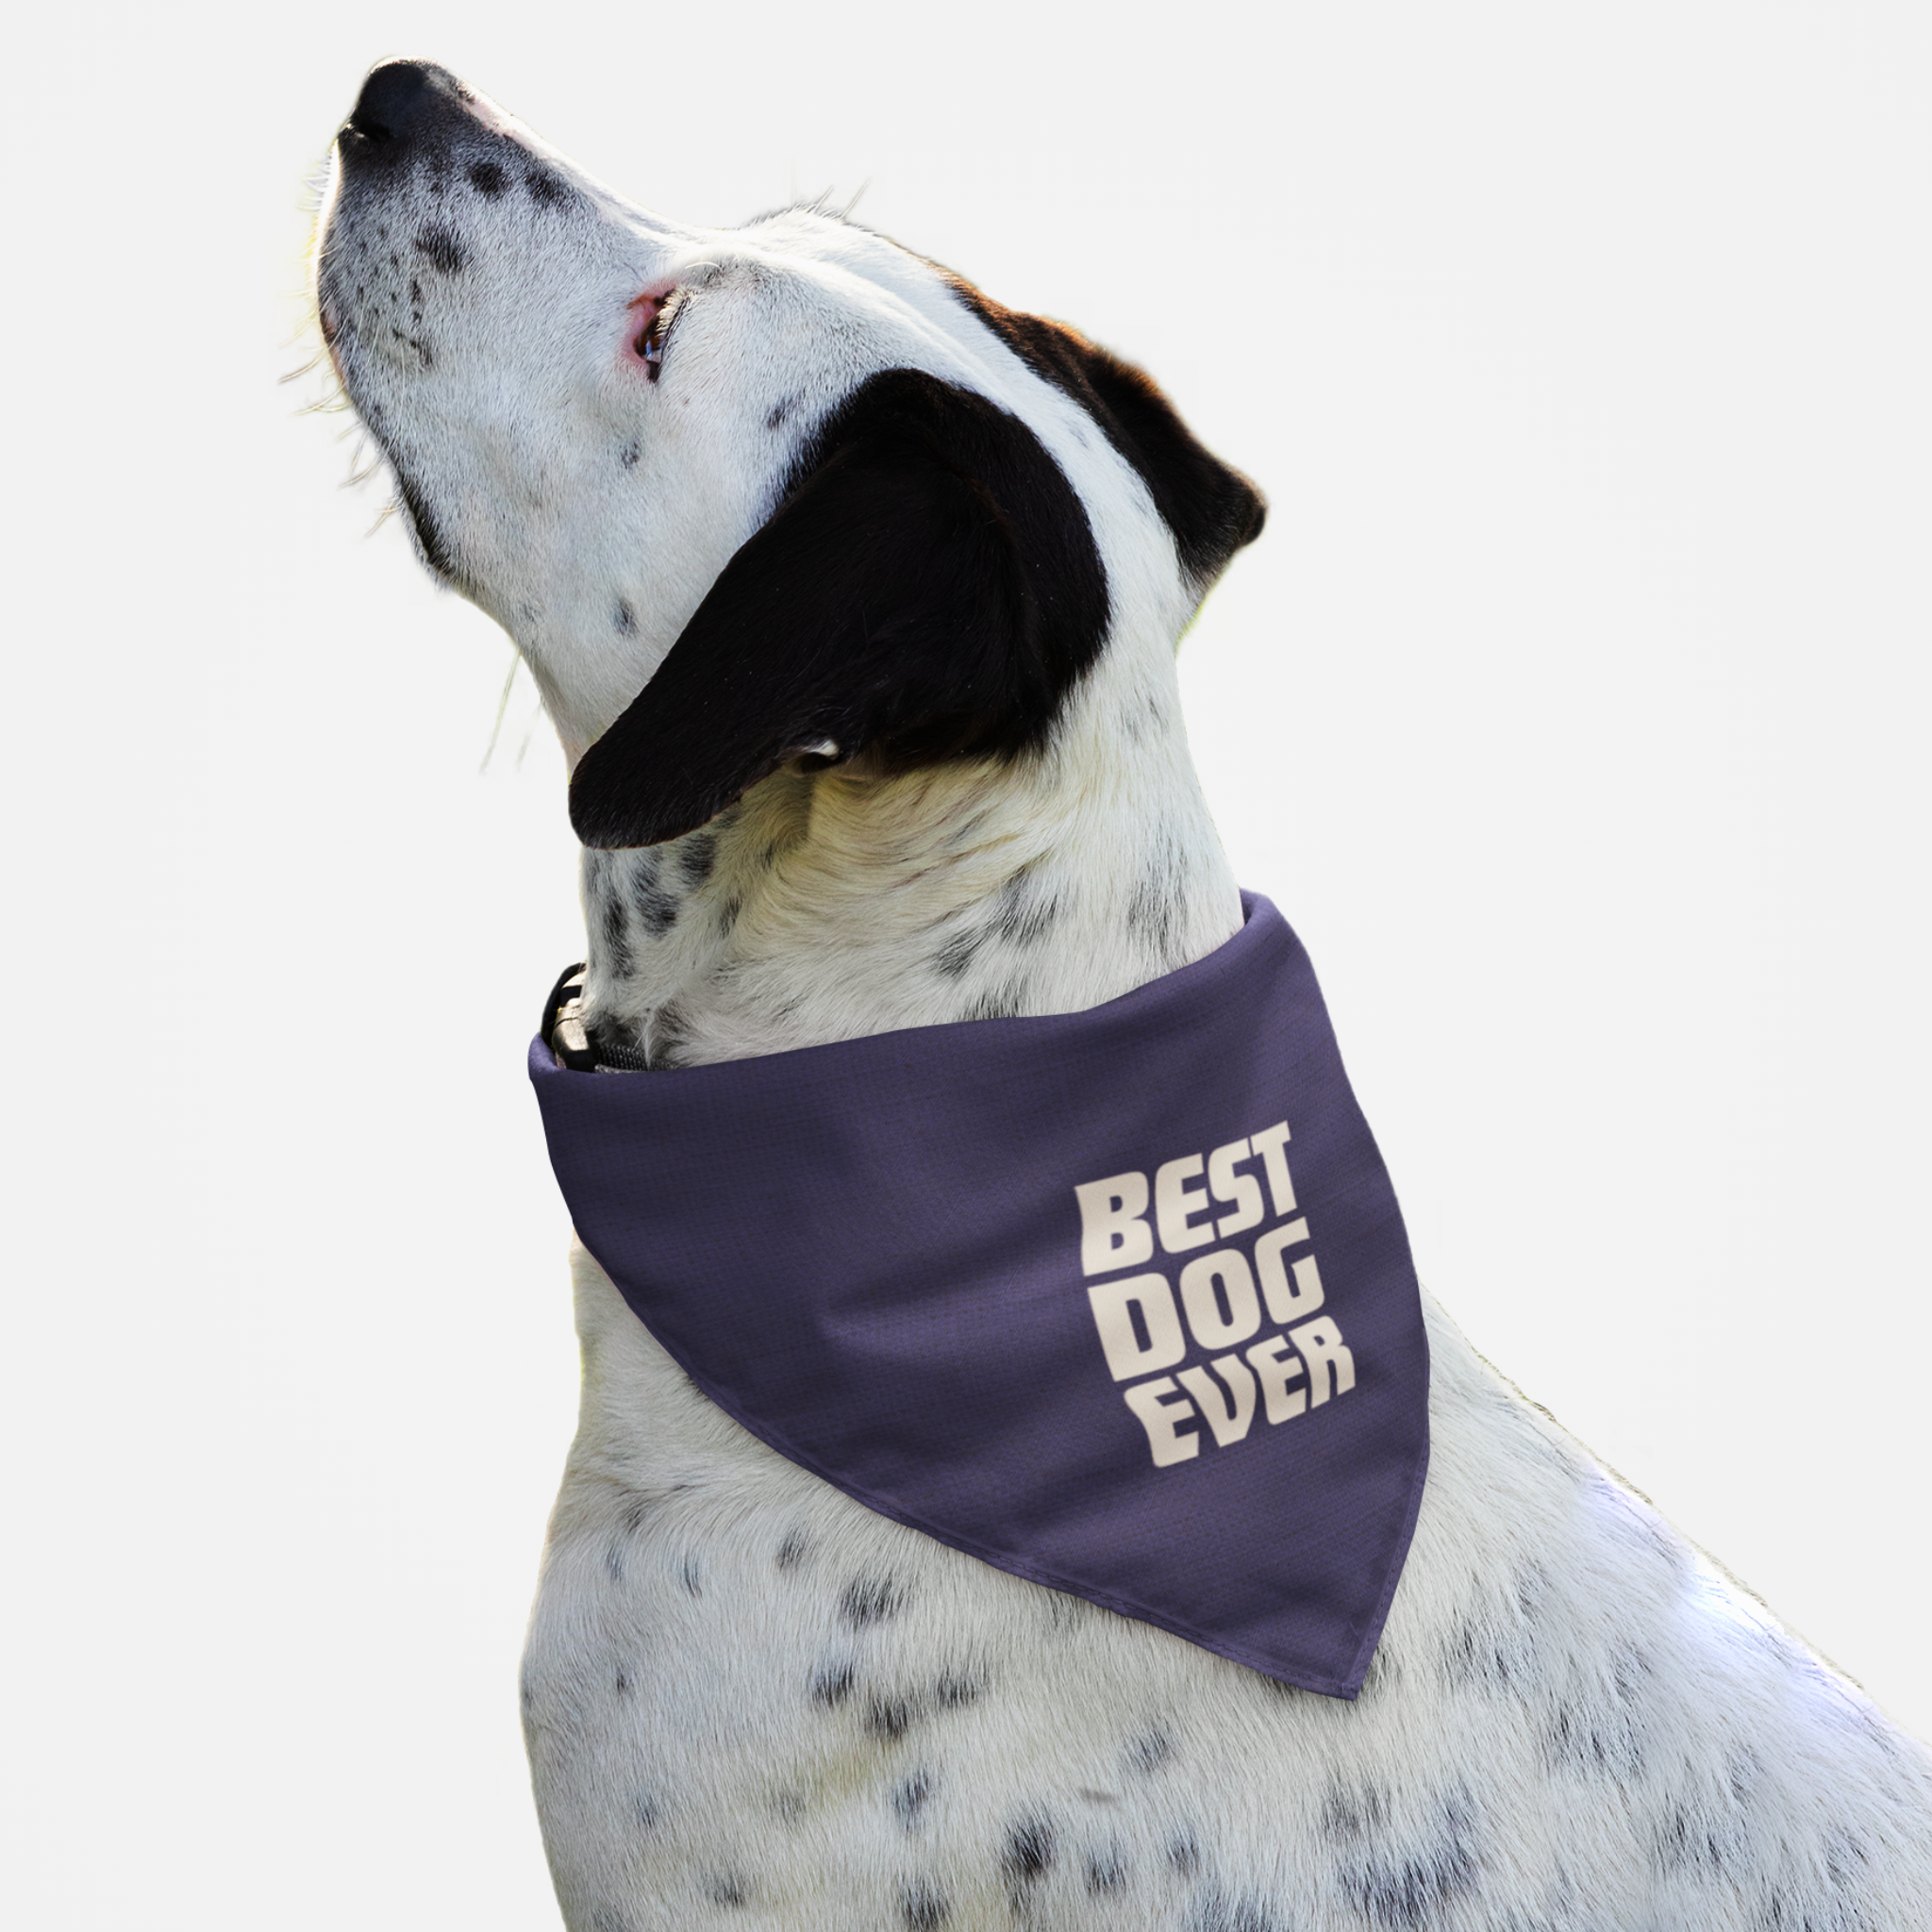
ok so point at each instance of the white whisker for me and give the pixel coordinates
(502, 705)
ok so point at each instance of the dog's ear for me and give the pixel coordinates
(927, 588)
(1211, 509)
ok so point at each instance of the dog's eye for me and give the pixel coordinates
(651, 344)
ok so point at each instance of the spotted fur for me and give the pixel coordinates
(749, 1700)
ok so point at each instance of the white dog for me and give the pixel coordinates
(749, 1700)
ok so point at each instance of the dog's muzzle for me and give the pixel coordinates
(404, 105)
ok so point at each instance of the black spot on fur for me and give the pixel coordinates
(488, 179)
(963, 835)
(696, 857)
(646, 1810)
(1155, 908)
(909, 1799)
(629, 454)
(891, 1714)
(1352, 1815)
(1215, 1911)
(956, 1693)
(1107, 1871)
(832, 1685)
(1413, 1891)
(670, 1030)
(788, 1807)
(613, 1563)
(870, 1600)
(792, 1551)
(622, 1681)
(889, 1718)
(728, 1889)
(690, 1577)
(925, 1906)
(1065, 1612)
(443, 248)
(416, 343)
(1211, 509)
(416, 294)
(1027, 1856)
(1708, 1831)
(1847, 1857)
(616, 934)
(781, 413)
(1150, 1751)
(998, 1003)
(656, 908)
(1495, 1649)
(1184, 1852)
(728, 912)
(958, 954)
(624, 619)
(1600, 1735)
(548, 190)
(1023, 914)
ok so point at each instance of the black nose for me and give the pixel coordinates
(400, 96)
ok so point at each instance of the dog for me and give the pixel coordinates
(903, 572)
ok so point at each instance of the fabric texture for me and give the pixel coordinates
(1117, 1301)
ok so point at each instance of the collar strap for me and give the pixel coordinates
(577, 1045)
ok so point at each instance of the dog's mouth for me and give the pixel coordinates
(330, 326)
(337, 330)
(329, 321)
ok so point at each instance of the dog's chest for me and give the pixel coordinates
(744, 1689)
(750, 1699)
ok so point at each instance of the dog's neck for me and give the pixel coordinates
(829, 905)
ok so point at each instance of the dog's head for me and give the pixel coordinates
(748, 496)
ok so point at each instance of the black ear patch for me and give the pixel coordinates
(929, 588)
(1212, 510)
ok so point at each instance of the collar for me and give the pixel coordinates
(574, 1041)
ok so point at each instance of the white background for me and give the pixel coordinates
(1571, 708)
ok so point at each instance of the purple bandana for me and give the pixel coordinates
(1119, 1301)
